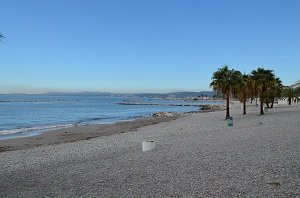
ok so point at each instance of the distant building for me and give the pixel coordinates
(294, 100)
(296, 84)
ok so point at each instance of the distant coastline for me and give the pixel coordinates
(175, 105)
(183, 94)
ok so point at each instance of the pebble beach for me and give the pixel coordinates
(196, 155)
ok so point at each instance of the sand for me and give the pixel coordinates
(197, 155)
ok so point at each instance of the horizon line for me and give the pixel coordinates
(100, 92)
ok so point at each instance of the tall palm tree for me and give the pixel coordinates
(263, 81)
(225, 81)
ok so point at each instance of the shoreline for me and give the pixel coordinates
(78, 133)
(89, 131)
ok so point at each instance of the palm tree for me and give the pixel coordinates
(225, 81)
(274, 92)
(297, 91)
(252, 92)
(290, 94)
(244, 90)
(263, 81)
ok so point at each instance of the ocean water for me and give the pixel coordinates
(26, 115)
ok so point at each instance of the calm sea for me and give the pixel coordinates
(26, 115)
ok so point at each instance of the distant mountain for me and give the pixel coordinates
(148, 95)
(78, 93)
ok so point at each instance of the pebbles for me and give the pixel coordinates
(195, 156)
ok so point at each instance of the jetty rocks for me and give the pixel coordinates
(204, 108)
(209, 107)
(163, 114)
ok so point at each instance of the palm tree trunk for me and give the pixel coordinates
(290, 101)
(261, 107)
(244, 107)
(227, 108)
(272, 103)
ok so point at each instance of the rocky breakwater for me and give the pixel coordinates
(211, 108)
(203, 109)
(164, 114)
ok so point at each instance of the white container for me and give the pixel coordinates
(148, 145)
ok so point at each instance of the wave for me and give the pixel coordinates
(36, 128)
(93, 120)
(108, 120)
(97, 120)
(54, 127)
(36, 101)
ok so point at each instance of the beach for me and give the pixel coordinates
(79, 132)
(196, 155)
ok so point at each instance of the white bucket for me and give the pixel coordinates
(148, 145)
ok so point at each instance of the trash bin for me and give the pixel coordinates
(148, 145)
(230, 121)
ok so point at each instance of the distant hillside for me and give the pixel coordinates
(148, 95)
(79, 93)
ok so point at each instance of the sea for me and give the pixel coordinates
(23, 115)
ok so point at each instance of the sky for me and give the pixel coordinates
(143, 46)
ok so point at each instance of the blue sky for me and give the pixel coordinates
(143, 46)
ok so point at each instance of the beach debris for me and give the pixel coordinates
(148, 145)
(163, 114)
(275, 184)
